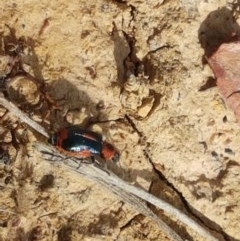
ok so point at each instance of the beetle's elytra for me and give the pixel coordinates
(81, 143)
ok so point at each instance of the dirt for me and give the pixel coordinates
(131, 70)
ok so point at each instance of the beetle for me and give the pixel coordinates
(81, 143)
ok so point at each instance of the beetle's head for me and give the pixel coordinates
(109, 153)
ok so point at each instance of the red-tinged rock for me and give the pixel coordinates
(225, 63)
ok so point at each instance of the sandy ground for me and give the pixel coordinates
(132, 71)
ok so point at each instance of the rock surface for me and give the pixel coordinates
(177, 142)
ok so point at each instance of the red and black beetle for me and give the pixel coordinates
(81, 143)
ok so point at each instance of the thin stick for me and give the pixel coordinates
(22, 116)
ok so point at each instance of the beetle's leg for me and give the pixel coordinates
(79, 164)
(90, 160)
(102, 165)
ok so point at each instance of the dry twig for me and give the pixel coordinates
(22, 116)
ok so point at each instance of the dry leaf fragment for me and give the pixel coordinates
(225, 63)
